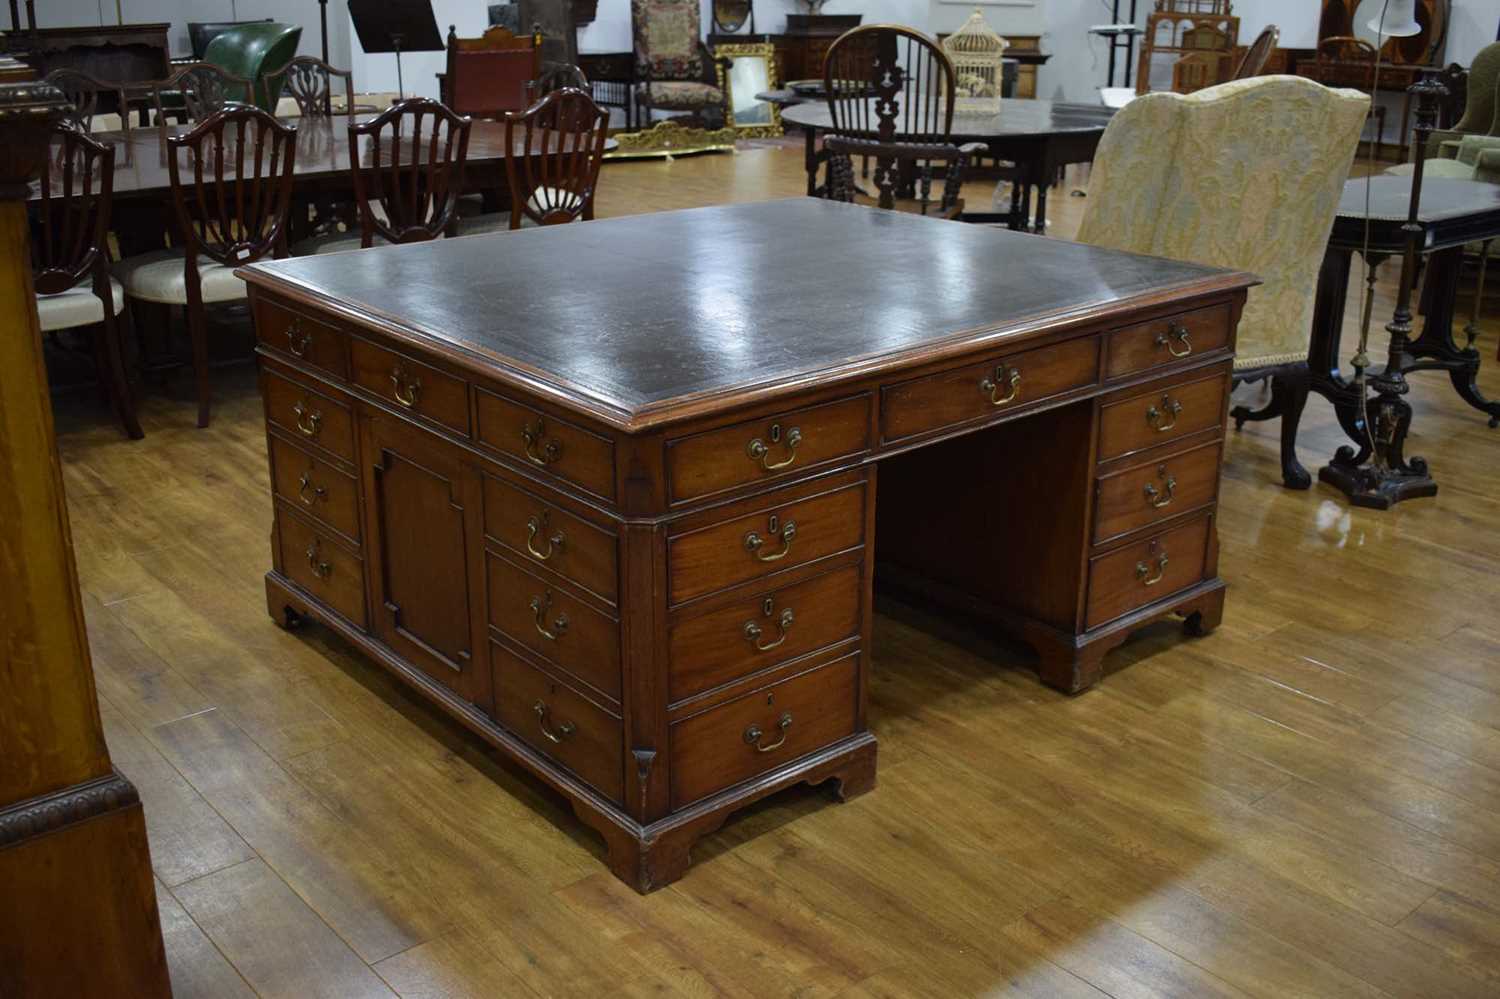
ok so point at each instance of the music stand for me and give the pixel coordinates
(396, 26)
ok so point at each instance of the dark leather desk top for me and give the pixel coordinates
(1017, 118)
(629, 319)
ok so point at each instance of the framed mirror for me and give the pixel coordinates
(730, 16)
(744, 71)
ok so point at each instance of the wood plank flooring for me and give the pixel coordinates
(1305, 803)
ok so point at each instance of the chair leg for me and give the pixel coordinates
(198, 331)
(112, 373)
(1291, 385)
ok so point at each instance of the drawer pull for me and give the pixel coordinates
(297, 341)
(309, 493)
(308, 421)
(539, 606)
(406, 389)
(538, 525)
(561, 732)
(760, 451)
(1157, 497)
(1157, 418)
(754, 542)
(753, 631)
(1003, 375)
(1143, 570)
(1179, 333)
(551, 450)
(753, 734)
(315, 562)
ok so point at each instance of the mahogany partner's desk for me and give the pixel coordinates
(607, 493)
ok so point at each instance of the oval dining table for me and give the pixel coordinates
(1039, 137)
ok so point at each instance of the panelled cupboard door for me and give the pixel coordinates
(425, 529)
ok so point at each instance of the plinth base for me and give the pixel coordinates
(1368, 487)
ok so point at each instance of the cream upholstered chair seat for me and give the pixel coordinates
(161, 276)
(539, 200)
(1245, 175)
(78, 306)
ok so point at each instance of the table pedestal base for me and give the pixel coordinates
(1382, 477)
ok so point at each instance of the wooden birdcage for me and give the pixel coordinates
(977, 52)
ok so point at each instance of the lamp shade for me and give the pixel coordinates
(1400, 20)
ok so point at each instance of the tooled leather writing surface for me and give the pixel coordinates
(633, 312)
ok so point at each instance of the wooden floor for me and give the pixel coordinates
(1305, 803)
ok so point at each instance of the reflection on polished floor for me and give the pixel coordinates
(1305, 802)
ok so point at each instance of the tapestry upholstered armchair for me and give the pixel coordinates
(672, 66)
(1244, 175)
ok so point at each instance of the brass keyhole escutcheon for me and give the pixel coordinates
(406, 388)
(539, 451)
(553, 733)
(753, 734)
(754, 542)
(538, 526)
(1178, 334)
(1163, 497)
(760, 451)
(539, 608)
(1164, 418)
(1009, 377)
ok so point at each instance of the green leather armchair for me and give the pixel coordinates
(255, 51)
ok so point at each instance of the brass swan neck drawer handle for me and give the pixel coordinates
(297, 340)
(754, 542)
(551, 449)
(760, 451)
(754, 632)
(753, 734)
(539, 606)
(320, 568)
(553, 733)
(1143, 570)
(309, 493)
(1003, 376)
(308, 420)
(1163, 497)
(1159, 418)
(405, 388)
(538, 525)
(1175, 332)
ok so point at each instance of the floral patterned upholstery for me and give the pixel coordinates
(676, 95)
(1244, 175)
(667, 33)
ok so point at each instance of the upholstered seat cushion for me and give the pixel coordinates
(500, 221)
(1245, 175)
(78, 306)
(161, 276)
(673, 94)
(333, 242)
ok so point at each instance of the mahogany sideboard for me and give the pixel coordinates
(611, 494)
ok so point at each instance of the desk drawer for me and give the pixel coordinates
(320, 490)
(555, 625)
(1163, 487)
(547, 443)
(762, 730)
(410, 385)
(312, 342)
(1133, 422)
(558, 722)
(779, 537)
(322, 567)
(1005, 382)
(1162, 341)
(768, 448)
(543, 533)
(762, 630)
(1147, 571)
(310, 416)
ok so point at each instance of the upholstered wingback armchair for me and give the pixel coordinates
(1245, 175)
(672, 66)
(1481, 117)
(254, 51)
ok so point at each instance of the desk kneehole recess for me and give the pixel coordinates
(666, 622)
